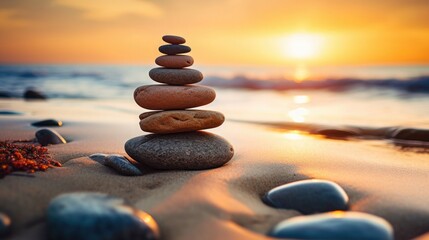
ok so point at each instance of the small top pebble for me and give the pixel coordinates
(173, 39)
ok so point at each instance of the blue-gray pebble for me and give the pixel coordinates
(122, 165)
(97, 216)
(308, 196)
(334, 226)
(48, 136)
(99, 157)
(5, 223)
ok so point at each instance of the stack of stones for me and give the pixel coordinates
(177, 142)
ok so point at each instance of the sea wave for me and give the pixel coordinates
(418, 84)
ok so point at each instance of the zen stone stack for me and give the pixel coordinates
(177, 142)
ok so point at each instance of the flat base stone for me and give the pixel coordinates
(180, 151)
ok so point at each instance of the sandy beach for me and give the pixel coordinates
(221, 203)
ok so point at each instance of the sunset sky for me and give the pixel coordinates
(220, 32)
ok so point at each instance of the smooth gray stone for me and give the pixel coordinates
(122, 165)
(47, 136)
(5, 223)
(48, 123)
(33, 94)
(99, 157)
(334, 226)
(97, 216)
(308, 196)
(411, 134)
(175, 76)
(174, 49)
(180, 151)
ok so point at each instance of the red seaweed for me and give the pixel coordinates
(24, 157)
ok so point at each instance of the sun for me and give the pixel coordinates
(302, 45)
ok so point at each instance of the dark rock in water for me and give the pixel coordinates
(412, 134)
(308, 196)
(337, 132)
(334, 226)
(5, 223)
(32, 94)
(99, 157)
(48, 123)
(5, 94)
(180, 151)
(174, 49)
(122, 165)
(8, 112)
(47, 136)
(97, 216)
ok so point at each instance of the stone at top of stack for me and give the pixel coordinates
(177, 143)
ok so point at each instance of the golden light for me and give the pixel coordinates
(293, 135)
(302, 45)
(298, 114)
(301, 99)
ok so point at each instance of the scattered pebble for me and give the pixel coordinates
(174, 61)
(175, 76)
(97, 216)
(174, 49)
(180, 151)
(173, 39)
(334, 226)
(308, 196)
(48, 123)
(99, 157)
(165, 97)
(5, 223)
(47, 136)
(122, 165)
(176, 121)
(32, 94)
(412, 134)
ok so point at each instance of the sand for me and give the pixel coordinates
(222, 203)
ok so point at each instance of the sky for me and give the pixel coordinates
(220, 32)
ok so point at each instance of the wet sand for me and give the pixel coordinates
(222, 203)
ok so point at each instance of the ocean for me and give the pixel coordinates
(373, 96)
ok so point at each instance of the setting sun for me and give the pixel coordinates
(302, 45)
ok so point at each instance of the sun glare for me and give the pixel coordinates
(302, 45)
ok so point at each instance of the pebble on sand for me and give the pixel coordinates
(5, 224)
(173, 39)
(308, 196)
(180, 151)
(166, 97)
(122, 165)
(334, 226)
(99, 157)
(174, 61)
(175, 76)
(97, 216)
(48, 123)
(176, 121)
(47, 136)
(174, 49)
(33, 94)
